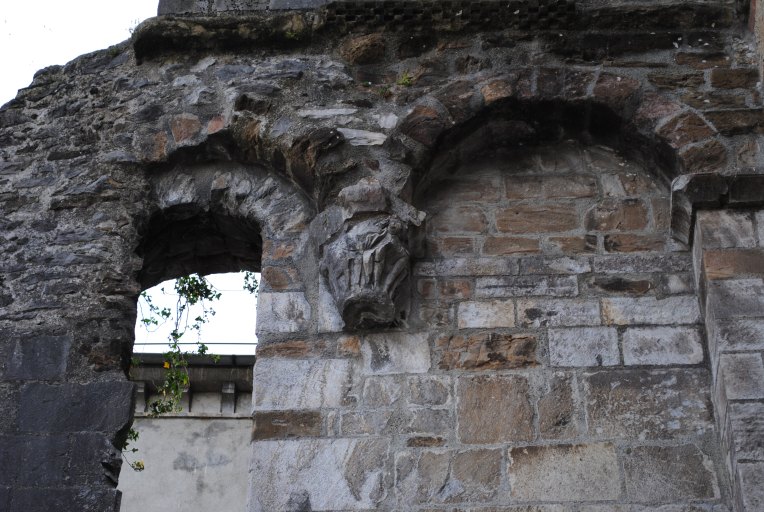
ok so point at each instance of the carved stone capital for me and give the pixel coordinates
(365, 266)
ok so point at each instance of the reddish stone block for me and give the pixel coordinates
(486, 351)
(684, 129)
(289, 348)
(494, 409)
(450, 246)
(617, 215)
(664, 80)
(529, 187)
(714, 100)
(737, 122)
(349, 346)
(455, 289)
(424, 125)
(460, 99)
(703, 60)
(160, 148)
(281, 278)
(276, 251)
(365, 49)
(185, 127)
(504, 246)
(616, 92)
(733, 263)
(497, 90)
(634, 243)
(653, 108)
(537, 218)
(710, 156)
(738, 78)
(575, 244)
(463, 219)
(427, 288)
(286, 424)
(215, 124)
(425, 442)
(557, 414)
(483, 189)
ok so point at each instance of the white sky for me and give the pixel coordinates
(38, 33)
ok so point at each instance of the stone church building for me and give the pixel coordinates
(512, 250)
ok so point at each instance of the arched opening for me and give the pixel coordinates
(207, 220)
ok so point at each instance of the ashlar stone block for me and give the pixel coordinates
(282, 312)
(644, 404)
(751, 481)
(669, 473)
(650, 310)
(486, 314)
(558, 312)
(494, 409)
(662, 346)
(743, 375)
(287, 384)
(564, 473)
(448, 476)
(395, 352)
(583, 346)
(318, 474)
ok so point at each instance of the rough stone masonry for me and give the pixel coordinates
(512, 252)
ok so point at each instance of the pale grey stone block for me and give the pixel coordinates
(564, 473)
(746, 421)
(300, 384)
(318, 474)
(329, 319)
(583, 346)
(487, 314)
(669, 473)
(527, 286)
(726, 228)
(735, 298)
(662, 346)
(558, 312)
(751, 479)
(650, 310)
(467, 267)
(282, 312)
(743, 375)
(395, 352)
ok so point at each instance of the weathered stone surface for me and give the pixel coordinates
(424, 125)
(643, 404)
(532, 218)
(282, 312)
(83, 498)
(391, 353)
(448, 477)
(752, 485)
(494, 410)
(735, 298)
(102, 406)
(381, 391)
(429, 390)
(611, 215)
(462, 219)
(318, 474)
(508, 245)
(720, 229)
(468, 267)
(550, 187)
(525, 286)
(743, 375)
(557, 410)
(364, 49)
(738, 78)
(737, 122)
(650, 310)
(564, 473)
(662, 346)
(669, 473)
(558, 312)
(487, 314)
(291, 384)
(37, 358)
(583, 346)
(747, 430)
(286, 424)
(486, 351)
(733, 263)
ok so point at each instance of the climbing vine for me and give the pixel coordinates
(191, 290)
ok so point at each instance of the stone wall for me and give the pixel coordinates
(473, 224)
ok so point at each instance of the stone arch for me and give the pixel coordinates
(535, 105)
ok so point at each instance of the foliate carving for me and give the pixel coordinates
(365, 266)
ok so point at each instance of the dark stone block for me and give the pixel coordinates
(102, 406)
(295, 4)
(5, 498)
(38, 358)
(93, 459)
(79, 499)
(182, 6)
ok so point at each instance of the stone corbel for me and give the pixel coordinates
(367, 260)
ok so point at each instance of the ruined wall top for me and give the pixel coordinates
(175, 7)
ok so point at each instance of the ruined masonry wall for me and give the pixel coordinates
(475, 230)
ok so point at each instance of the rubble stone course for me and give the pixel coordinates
(511, 254)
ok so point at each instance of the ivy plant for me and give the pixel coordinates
(192, 290)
